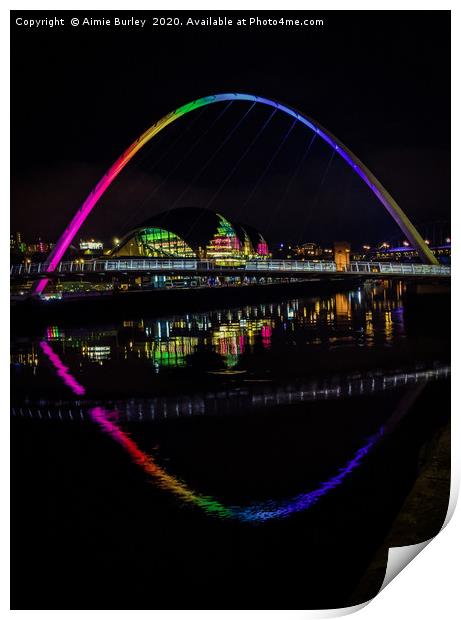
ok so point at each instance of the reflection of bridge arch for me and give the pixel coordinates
(359, 168)
(256, 512)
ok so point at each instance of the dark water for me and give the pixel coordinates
(246, 457)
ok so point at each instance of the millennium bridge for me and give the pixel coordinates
(250, 268)
(55, 266)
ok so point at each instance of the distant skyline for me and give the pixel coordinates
(80, 97)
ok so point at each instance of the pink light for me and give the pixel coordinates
(62, 370)
(66, 238)
(266, 333)
(263, 511)
(263, 249)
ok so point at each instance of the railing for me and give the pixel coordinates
(102, 266)
(289, 265)
(207, 266)
(400, 268)
(147, 264)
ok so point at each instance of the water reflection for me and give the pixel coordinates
(256, 512)
(61, 370)
(363, 318)
(233, 400)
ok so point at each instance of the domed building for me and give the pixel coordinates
(192, 233)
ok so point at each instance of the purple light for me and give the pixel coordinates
(260, 512)
(380, 192)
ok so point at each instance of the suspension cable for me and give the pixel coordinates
(272, 159)
(316, 198)
(241, 158)
(289, 185)
(178, 163)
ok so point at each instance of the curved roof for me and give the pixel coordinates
(195, 225)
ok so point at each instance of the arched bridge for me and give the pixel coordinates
(347, 155)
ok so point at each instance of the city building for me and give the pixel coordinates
(401, 254)
(342, 254)
(193, 233)
(39, 247)
(312, 251)
(16, 242)
(91, 247)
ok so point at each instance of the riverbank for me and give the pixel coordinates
(421, 516)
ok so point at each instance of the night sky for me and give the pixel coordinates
(380, 81)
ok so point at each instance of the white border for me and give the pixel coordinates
(430, 587)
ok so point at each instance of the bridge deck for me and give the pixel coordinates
(249, 268)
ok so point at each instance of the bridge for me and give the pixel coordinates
(250, 268)
(53, 262)
(231, 401)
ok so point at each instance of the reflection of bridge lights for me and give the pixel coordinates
(257, 512)
(62, 370)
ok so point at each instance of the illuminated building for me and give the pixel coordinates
(40, 247)
(409, 254)
(307, 250)
(16, 242)
(342, 253)
(401, 254)
(312, 251)
(193, 233)
(91, 246)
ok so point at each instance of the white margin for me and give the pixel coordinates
(431, 588)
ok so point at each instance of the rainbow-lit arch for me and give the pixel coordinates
(354, 162)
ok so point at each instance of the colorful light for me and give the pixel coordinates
(225, 244)
(154, 242)
(359, 168)
(62, 370)
(258, 512)
(262, 249)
